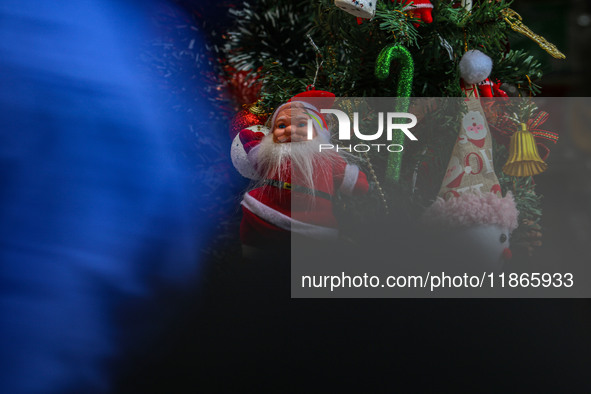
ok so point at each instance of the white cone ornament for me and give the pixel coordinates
(239, 157)
(470, 210)
(360, 8)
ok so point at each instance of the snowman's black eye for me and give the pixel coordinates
(503, 238)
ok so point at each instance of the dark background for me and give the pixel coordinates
(242, 327)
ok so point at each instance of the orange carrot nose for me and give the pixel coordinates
(507, 254)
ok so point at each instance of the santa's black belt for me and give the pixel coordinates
(297, 188)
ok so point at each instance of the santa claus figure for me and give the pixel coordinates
(298, 179)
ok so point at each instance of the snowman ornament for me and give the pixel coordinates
(492, 241)
(475, 219)
(476, 229)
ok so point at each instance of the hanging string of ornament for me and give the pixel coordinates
(396, 53)
(374, 178)
(318, 56)
(348, 105)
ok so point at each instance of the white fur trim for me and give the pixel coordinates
(285, 222)
(349, 179)
(252, 156)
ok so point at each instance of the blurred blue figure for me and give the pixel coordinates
(97, 226)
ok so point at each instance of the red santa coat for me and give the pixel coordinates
(271, 213)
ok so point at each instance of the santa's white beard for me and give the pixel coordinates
(303, 159)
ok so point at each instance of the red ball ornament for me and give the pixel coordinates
(251, 116)
(244, 86)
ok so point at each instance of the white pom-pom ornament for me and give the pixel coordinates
(360, 8)
(239, 157)
(475, 67)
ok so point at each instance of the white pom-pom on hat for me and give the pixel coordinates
(475, 66)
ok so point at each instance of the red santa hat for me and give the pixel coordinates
(422, 9)
(314, 101)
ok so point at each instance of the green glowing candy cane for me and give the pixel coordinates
(400, 54)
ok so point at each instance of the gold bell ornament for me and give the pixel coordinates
(524, 159)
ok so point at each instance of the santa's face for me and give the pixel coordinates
(291, 125)
(474, 127)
